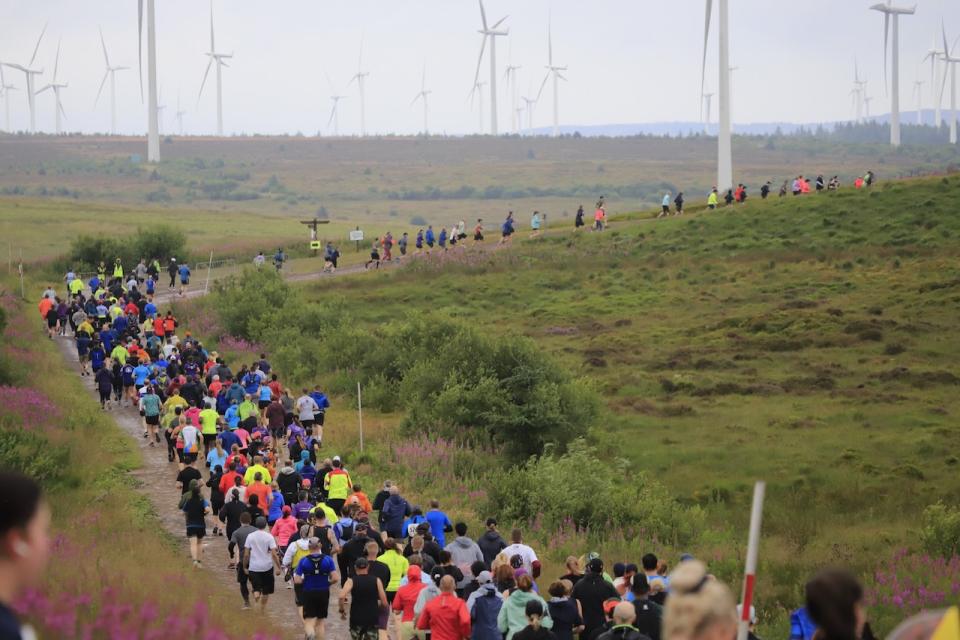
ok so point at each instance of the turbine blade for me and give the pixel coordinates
(483, 46)
(140, 44)
(39, 91)
(205, 74)
(329, 82)
(333, 112)
(706, 37)
(37, 48)
(100, 90)
(946, 45)
(60, 106)
(104, 45)
(483, 16)
(56, 62)
(415, 98)
(550, 39)
(499, 22)
(542, 85)
(213, 47)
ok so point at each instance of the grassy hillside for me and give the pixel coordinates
(252, 188)
(809, 342)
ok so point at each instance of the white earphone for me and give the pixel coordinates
(21, 548)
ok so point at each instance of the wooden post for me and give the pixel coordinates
(360, 416)
(206, 285)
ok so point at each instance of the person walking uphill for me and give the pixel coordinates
(446, 616)
(491, 543)
(315, 573)
(463, 553)
(513, 615)
(395, 510)
(591, 592)
(338, 486)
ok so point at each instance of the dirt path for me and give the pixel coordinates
(157, 479)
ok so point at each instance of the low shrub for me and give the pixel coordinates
(940, 530)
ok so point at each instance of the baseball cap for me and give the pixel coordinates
(287, 510)
(484, 577)
(595, 565)
(337, 458)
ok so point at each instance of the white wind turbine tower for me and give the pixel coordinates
(56, 87)
(708, 99)
(724, 137)
(113, 86)
(492, 33)
(866, 104)
(423, 96)
(30, 73)
(180, 114)
(360, 76)
(918, 90)
(553, 70)
(889, 11)
(5, 90)
(859, 91)
(933, 55)
(217, 58)
(518, 114)
(951, 70)
(732, 69)
(153, 135)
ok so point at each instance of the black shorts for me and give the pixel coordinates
(298, 594)
(262, 582)
(209, 439)
(52, 320)
(666, 208)
(383, 618)
(152, 420)
(505, 234)
(578, 223)
(478, 237)
(306, 423)
(263, 404)
(316, 604)
(196, 532)
(318, 418)
(430, 244)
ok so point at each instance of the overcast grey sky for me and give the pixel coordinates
(629, 60)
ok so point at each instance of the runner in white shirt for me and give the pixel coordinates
(530, 561)
(261, 563)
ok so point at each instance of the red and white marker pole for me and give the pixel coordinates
(753, 547)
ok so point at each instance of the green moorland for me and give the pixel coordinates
(238, 192)
(809, 342)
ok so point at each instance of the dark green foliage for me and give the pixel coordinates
(160, 241)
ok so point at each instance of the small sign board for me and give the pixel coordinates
(356, 236)
(315, 244)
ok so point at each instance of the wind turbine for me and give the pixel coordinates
(918, 90)
(30, 73)
(423, 96)
(511, 77)
(217, 58)
(888, 11)
(933, 55)
(724, 138)
(55, 87)
(492, 33)
(478, 89)
(160, 109)
(859, 91)
(360, 76)
(553, 70)
(866, 104)
(518, 114)
(732, 69)
(153, 135)
(180, 115)
(334, 115)
(5, 89)
(951, 70)
(708, 99)
(113, 86)
(530, 104)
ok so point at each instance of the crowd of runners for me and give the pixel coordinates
(246, 453)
